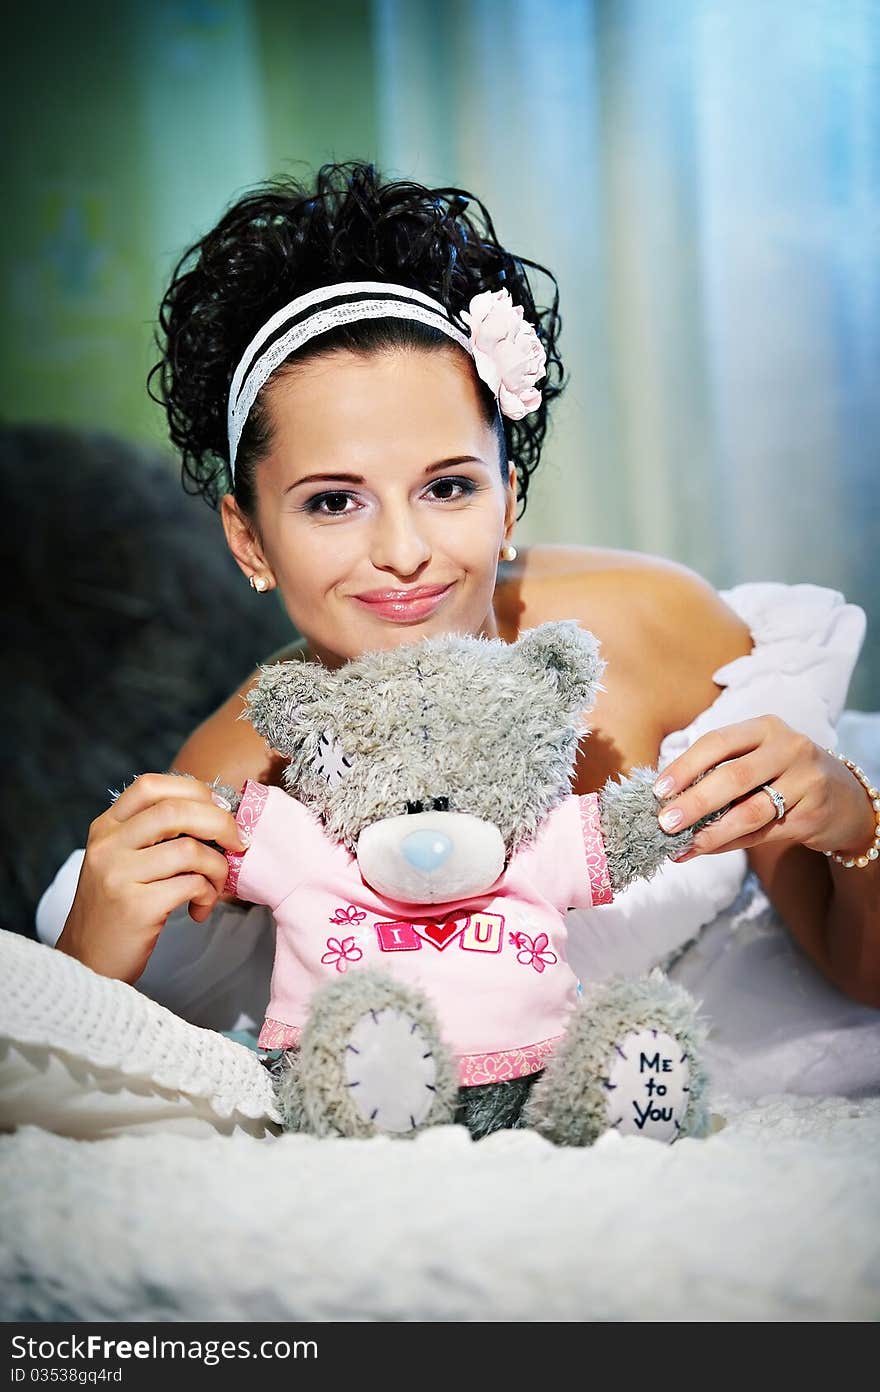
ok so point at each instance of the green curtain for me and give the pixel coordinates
(129, 128)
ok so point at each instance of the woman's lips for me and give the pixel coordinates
(404, 606)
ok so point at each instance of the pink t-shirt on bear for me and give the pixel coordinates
(493, 966)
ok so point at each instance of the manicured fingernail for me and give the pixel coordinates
(244, 835)
(685, 855)
(670, 819)
(663, 786)
(223, 802)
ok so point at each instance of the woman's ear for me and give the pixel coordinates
(510, 501)
(243, 542)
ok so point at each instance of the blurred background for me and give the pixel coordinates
(702, 176)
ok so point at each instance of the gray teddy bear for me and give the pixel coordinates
(419, 862)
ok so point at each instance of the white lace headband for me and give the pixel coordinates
(506, 350)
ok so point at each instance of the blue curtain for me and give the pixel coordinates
(703, 176)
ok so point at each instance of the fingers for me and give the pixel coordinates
(183, 856)
(747, 823)
(182, 872)
(199, 912)
(158, 847)
(204, 821)
(714, 748)
(164, 896)
(180, 816)
(746, 757)
(185, 866)
(726, 784)
(150, 788)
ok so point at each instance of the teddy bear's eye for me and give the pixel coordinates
(441, 804)
(415, 807)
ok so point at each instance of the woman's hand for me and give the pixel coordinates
(825, 806)
(145, 856)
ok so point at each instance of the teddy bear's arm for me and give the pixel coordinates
(635, 843)
(224, 790)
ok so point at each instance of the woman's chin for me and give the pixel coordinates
(436, 626)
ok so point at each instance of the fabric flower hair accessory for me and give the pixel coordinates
(508, 354)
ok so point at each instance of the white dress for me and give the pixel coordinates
(806, 643)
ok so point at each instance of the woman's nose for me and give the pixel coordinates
(399, 544)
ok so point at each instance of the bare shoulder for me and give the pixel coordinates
(664, 629)
(227, 747)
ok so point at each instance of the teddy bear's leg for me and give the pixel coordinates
(288, 1090)
(370, 1060)
(631, 1060)
(492, 1107)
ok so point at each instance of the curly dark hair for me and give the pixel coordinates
(284, 239)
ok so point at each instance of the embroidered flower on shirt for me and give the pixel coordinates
(350, 915)
(533, 953)
(341, 953)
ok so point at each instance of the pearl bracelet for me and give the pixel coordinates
(873, 850)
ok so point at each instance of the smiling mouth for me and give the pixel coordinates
(404, 605)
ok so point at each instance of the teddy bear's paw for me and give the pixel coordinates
(630, 1061)
(391, 1070)
(648, 1085)
(636, 846)
(372, 1061)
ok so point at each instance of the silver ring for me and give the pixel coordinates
(776, 798)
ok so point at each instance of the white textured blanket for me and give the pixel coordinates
(774, 1217)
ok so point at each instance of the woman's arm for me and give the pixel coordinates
(831, 912)
(227, 748)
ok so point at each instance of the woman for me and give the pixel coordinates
(371, 474)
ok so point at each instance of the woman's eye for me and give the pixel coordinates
(339, 504)
(447, 489)
(329, 504)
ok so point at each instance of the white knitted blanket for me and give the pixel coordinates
(47, 999)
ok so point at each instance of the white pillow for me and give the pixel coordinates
(89, 1057)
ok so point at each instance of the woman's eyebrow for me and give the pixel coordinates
(456, 459)
(356, 478)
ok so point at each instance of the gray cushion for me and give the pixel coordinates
(126, 623)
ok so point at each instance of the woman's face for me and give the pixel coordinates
(381, 504)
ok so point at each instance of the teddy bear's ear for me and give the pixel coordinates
(569, 655)
(282, 705)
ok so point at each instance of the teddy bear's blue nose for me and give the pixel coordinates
(426, 850)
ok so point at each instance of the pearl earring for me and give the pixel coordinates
(259, 583)
(508, 551)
